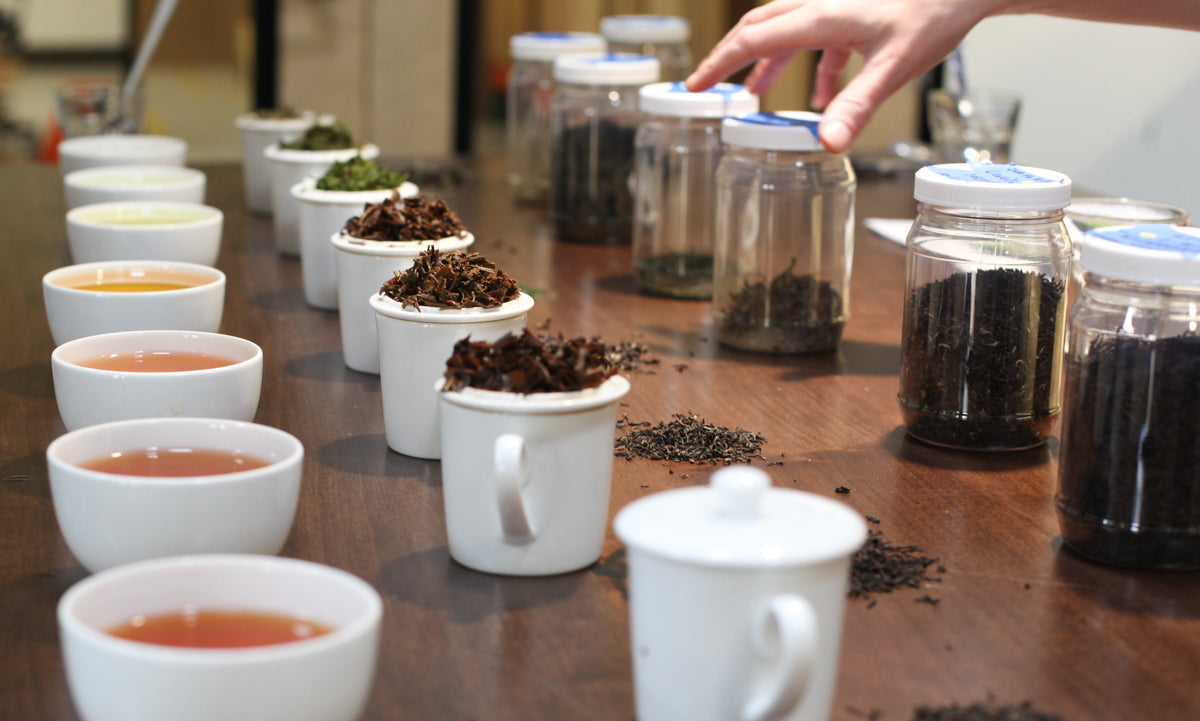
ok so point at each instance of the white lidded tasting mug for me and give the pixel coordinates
(736, 597)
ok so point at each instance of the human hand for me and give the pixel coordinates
(898, 39)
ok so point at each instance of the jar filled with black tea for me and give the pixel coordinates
(593, 121)
(678, 149)
(663, 36)
(988, 265)
(784, 236)
(530, 90)
(1129, 467)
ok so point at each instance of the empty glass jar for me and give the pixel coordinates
(663, 36)
(530, 93)
(785, 236)
(1129, 466)
(678, 150)
(988, 267)
(593, 122)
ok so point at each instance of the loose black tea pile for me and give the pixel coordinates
(982, 712)
(358, 174)
(323, 137)
(981, 353)
(527, 363)
(791, 314)
(591, 195)
(454, 279)
(692, 439)
(881, 567)
(630, 356)
(1130, 464)
(406, 219)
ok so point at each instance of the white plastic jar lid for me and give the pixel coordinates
(740, 521)
(550, 45)
(645, 29)
(988, 186)
(607, 69)
(1152, 253)
(675, 99)
(784, 130)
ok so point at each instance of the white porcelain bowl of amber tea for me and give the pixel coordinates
(146, 488)
(314, 657)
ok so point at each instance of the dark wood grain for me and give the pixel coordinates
(1019, 618)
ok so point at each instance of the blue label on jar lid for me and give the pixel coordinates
(1152, 237)
(617, 58)
(1008, 173)
(549, 35)
(780, 120)
(725, 89)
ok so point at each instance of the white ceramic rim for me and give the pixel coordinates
(106, 146)
(141, 433)
(397, 248)
(303, 157)
(251, 122)
(387, 307)
(611, 390)
(187, 177)
(217, 277)
(306, 192)
(69, 353)
(221, 656)
(77, 216)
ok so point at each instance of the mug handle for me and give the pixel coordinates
(512, 475)
(784, 635)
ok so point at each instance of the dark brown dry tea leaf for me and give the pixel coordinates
(527, 363)
(359, 174)
(453, 279)
(692, 439)
(793, 314)
(336, 136)
(630, 356)
(406, 219)
(980, 356)
(989, 711)
(879, 567)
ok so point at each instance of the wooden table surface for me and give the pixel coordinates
(1018, 618)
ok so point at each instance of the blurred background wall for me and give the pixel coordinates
(1111, 106)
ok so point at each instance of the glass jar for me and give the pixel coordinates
(1129, 466)
(530, 92)
(784, 236)
(663, 36)
(678, 149)
(593, 123)
(988, 266)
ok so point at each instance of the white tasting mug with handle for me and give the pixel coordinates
(736, 597)
(526, 477)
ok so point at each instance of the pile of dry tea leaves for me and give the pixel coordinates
(336, 136)
(983, 712)
(689, 438)
(630, 356)
(358, 174)
(283, 112)
(453, 279)
(879, 567)
(406, 219)
(527, 363)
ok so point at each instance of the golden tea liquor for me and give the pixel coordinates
(988, 266)
(784, 238)
(593, 121)
(530, 92)
(678, 150)
(1129, 468)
